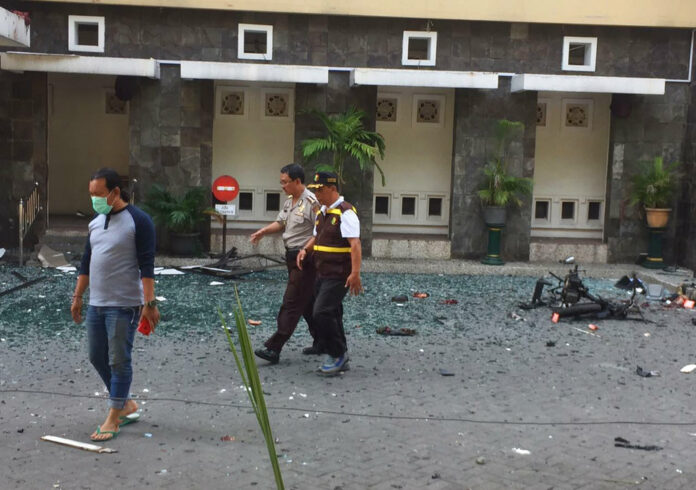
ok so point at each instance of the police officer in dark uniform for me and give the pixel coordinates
(296, 221)
(337, 256)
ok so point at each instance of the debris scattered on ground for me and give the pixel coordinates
(2, 252)
(216, 283)
(646, 374)
(67, 268)
(401, 298)
(396, 331)
(688, 368)
(516, 317)
(78, 445)
(227, 438)
(593, 327)
(585, 331)
(449, 302)
(254, 322)
(550, 343)
(523, 452)
(25, 284)
(480, 460)
(161, 271)
(420, 295)
(693, 320)
(621, 442)
(148, 435)
(51, 258)
(446, 372)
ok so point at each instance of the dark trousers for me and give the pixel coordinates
(328, 315)
(297, 301)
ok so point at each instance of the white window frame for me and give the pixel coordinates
(432, 48)
(600, 219)
(246, 212)
(590, 53)
(576, 208)
(291, 104)
(415, 206)
(222, 89)
(434, 217)
(74, 21)
(542, 221)
(267, 29)
(266, 211)
(390, 205)
(414, 110)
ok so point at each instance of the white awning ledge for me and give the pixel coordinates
(424, 78)
(71, 63)
(256, 72)
(590, 84)
(14, 31)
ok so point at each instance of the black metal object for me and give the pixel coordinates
(25, 284)
(231, 265)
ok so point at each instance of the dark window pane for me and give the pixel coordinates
(273, 201)
(576, 54)
(541, 210)
(435, 206)
(245, 201)
(408, 206)
(381, 205)
(255, 42)
(418, 48)
(593, 209)
(88, 34)
(568, 210)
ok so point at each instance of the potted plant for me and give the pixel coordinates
(653, 188)
(345, 137)
(500, 189)
(179, 215)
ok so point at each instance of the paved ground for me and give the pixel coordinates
(391, 422)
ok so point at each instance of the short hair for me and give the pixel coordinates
(294, 171)
(113, 180)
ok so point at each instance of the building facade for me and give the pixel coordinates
(181, 92)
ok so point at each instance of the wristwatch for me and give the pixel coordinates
(151, 304)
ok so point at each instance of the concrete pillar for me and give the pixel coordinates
(475, 115)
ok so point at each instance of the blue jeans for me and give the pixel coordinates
(110, 333)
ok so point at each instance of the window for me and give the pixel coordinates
(428, 111)
(382, 205)
(232, 102)
(419, 48)
(434, 207)
(579, 53)
(577, 114)
(386, 108)
(541, 210)
(568, 210)
(255, 42)
(594, 209)
(408, 206)
(272, 201)
(86, 33)
(277, 104)
(246, 201)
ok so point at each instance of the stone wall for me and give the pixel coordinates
(175, 34)
(476, 113)
(686, 209)
(335, 98)
(171, 133)
(22, 151)
(656, 126)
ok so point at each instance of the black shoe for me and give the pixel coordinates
(269, 355)
(312, 351)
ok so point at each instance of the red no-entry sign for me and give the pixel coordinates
(225, 188)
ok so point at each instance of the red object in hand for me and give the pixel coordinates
(144, 327)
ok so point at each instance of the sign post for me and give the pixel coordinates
(225, 189)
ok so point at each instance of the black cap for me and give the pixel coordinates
(323, 178)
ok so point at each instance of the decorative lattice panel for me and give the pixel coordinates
(277, 105)
(577, 115)
(541, 114)
(114, 105)
(428, 111)
(386, 109)
(232, 103)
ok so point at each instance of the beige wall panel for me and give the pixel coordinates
(252, 148)
(82, 138)
(672, 13)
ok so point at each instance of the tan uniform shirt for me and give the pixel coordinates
(298, 220)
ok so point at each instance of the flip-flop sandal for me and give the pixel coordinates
(113, 433)
(128, 419)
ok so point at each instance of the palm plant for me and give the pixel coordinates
(346, 137)
(178, 214)
(654, 186)
(500, 188)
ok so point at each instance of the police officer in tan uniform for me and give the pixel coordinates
(296, 221)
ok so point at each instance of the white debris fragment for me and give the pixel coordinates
(523, 452)
(216, 283)
(160, 298)
(168, 272)
(145, 390)
(223, 390)
(688, 368)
